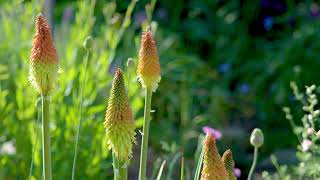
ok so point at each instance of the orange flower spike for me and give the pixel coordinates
(213, 167)
(43, 72)
(148, 67)
(229, 163)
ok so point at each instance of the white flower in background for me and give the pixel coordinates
(310, 131)
(306, 143)
(8, 148)
(318, 134)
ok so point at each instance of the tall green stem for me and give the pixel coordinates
(254, 163)
(120, 169)
(46, 151)
(37, 134)
(80, 117)
(115, 167)
(123, 171)
(145, 135)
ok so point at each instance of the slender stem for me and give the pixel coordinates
(124, 26)
(145, 135)
(46, 151)
(182, 169)
(129, 79)
(115, 165)
(80, 117)
(36, 142)
(254, 163)
(123, 171)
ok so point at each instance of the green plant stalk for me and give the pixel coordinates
(80, 118)
(120, 169)
(149, 12)
(254, 163)
(145, 135)
(182, 169)
(115, 165)
(123, 171)
(124, 26)
(36, 141)
(46, 151)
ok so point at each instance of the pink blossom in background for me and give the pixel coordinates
(217, 134)
(306, 143)
(237, 172)
(8, 148)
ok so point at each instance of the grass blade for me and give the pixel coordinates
(160, 170)
(200, 159)
(198, 169)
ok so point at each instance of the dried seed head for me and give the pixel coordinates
(257, 137)
(148, 67)
(229, 163)
(43, 72)
(213, 167)
(119, 122)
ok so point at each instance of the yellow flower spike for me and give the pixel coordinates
(229, 163)
(148, 67)
(119, 122)
(213, 167)
(43, 72)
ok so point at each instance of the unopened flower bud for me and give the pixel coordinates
(257, 137)
(130, 63)
(88, 43)
(310, 131)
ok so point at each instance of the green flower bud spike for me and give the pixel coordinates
(229, 163)
(119, 124)
(256, 140)
(43, 72)
(213, 167)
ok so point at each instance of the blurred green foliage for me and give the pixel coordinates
(226, 64)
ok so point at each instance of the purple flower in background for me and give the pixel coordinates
(268, 23)
(162, 13)
(244, 88)
(140, 17)
(314, 10)
(223, 68)
(276, 6)
(264, 3)
(68, 14)
(217, 134)
(237, 172)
